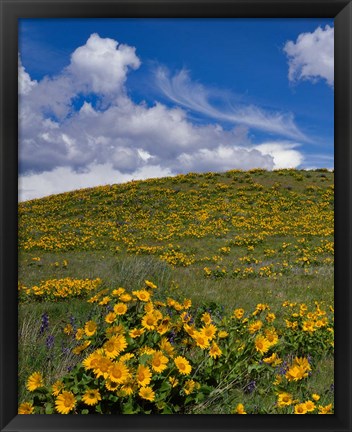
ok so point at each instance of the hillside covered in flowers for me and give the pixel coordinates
(200, 293)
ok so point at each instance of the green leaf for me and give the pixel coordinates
(127, 408)
(167, 410)
(165, 386)
(49, 408)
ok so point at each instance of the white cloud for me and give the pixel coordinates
(63, 147)
(101, 65)
(25, 84)
(61, 179)
(181, 90)
(284, 153)
(312, 56)
(223, 158)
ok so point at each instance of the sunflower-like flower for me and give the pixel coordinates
(274, 360)
(144, 375)
(190, 329)
(270, 317)
(104, 301)
(68, 329)
(79, 333)
(209, 331)
(147, 393)
(91, 361)
(215, 351)
(254, 327)
(189, 386)
(301, 408)
(173, 381)
(118, 372)
(78, 349)
(118, 291)
(110, 317)
(308, 326)
(187, 303)
(91, 397)
(111, 386)
(149, 321)
(114, 346)
(142, 295)
(120, 308)
(261, 344)
(26, 408)
(327, 409)
(126, 390)
(284, 399)
(164, 326)
(183, 365)
(166, 346)
(159, 361)
(114, 330)
(296, 373)
(222, 334)
(310, 405)
(125, 297)
(35, 381)
(238, 313)
(124, 358)
(65, 402)
(240, 409)
(150, 284)
(271, 336)
(206, 318)
(90, 328)
(102, 367)
(201, 340)
(303, 362)
(57, 388)
(134, 333)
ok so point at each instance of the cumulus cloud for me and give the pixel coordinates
(181, 90)
(61, 179)
(101, 65)
(284, 154)
(223, 158)
(25, 84)
(311, 57)
(65, 144)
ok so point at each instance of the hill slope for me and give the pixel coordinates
(235, 225)
(237, 244)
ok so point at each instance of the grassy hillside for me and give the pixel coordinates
(224, 241)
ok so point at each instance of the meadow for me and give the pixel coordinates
(200, 293)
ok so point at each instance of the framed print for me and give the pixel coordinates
(175, 215)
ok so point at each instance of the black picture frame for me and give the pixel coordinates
(11, 11)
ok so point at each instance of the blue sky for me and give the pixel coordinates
(108, 100)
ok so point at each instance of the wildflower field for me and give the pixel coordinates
(199, 294)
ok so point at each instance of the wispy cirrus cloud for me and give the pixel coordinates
(180, 89)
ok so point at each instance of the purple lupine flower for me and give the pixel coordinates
(65, 350)
(50, 341)
(282, 369)
(250, 387)
(73, 324)
(172, 337)
(44, 323)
